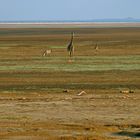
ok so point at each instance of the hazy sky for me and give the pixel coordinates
(68, 9)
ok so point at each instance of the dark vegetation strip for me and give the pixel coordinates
(21, 73)
(128, 134)
(74, 86)
(46, 31)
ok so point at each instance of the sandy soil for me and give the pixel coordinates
(95, 115)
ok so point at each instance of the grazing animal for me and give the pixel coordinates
(96, 47)
(70, 47)
(47, 52)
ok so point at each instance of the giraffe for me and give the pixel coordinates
(70, 47)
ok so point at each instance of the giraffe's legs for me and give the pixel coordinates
(70, 53)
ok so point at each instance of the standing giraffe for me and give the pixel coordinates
(70, 47)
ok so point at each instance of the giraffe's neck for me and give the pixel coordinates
(71, 42)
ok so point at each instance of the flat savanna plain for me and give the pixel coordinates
(39, 95)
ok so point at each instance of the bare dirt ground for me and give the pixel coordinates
(97, 115)
(39, 96)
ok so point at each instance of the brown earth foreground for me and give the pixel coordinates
(39, 96)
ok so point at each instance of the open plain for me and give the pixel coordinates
(39, 95)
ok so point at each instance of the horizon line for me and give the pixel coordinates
(129, 19)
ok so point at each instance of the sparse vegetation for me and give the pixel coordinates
(38, 95)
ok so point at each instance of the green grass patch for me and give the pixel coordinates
(56, 47)
(80, 63)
